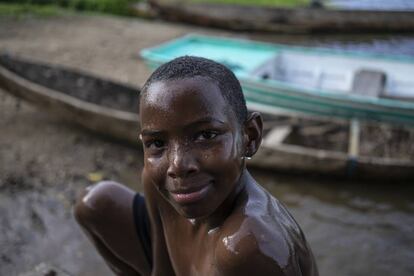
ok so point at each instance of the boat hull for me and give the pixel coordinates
(276, 100)
(282, 20)
(106, 121)
(294, 159)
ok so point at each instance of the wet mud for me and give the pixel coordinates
(44, 165)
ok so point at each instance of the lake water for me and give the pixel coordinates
(401, 5)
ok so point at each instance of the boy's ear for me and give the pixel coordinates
(253, 129)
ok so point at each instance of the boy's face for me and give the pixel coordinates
(192, 144)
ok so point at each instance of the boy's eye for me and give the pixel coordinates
(155, 144)
(206, 135)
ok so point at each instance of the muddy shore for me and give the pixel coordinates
(45, 163)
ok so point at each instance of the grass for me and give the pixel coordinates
(21, 10)
(119, 7)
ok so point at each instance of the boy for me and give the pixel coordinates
(203, 214)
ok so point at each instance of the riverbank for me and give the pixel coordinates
(45, 162)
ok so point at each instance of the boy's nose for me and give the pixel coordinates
(182, 162)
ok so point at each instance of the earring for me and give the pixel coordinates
(246, 157)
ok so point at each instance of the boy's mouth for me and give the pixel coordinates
(186, 196)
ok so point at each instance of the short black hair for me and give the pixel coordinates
(191, 66)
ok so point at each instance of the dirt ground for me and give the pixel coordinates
(45, 162)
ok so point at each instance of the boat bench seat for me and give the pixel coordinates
(369, 83)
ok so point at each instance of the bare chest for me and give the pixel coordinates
(191, 249)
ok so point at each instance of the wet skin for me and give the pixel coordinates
(208, 215)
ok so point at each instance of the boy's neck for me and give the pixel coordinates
(216, 219)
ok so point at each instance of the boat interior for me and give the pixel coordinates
(357, 138)
(324, 70)
(340, 74)
(74, 83)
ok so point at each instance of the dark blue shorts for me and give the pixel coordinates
(142, 225)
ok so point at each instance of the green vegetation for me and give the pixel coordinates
(19, 10)
(109, 6)
(54, 7)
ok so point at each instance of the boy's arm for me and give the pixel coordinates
(161, 260)
(246, 258)
(255, 251)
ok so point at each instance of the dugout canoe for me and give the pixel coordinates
(97, 104)
(110, 108)
(355, 151)
(313, 81)
(278, 20)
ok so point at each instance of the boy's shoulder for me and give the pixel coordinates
(260, 237)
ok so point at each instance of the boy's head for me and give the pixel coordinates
(196, 133)
(190, 67)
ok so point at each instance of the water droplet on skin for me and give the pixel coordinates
(212, 231)
(226, 242)
(230, 243)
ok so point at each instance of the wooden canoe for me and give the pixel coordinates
(351, 161)
(279, 20)
(99, 105)
(110, 108)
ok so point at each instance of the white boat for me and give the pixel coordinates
(313, 81)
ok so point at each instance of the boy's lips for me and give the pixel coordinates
(184, 196)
